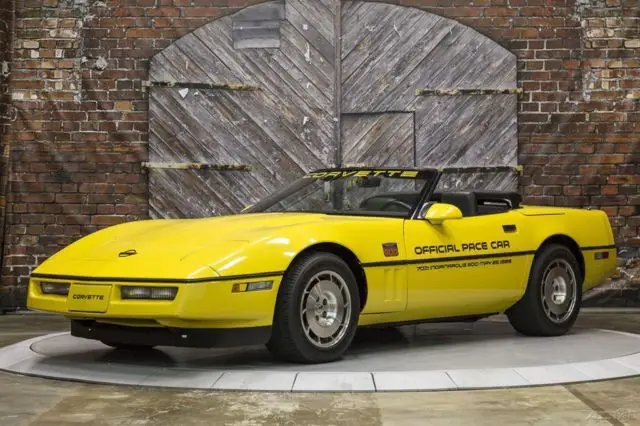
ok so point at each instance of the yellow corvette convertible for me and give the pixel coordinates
(340, 248)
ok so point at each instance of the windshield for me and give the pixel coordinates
(372, 192)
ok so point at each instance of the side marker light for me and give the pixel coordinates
(255, 286)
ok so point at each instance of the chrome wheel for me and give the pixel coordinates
(325, 309)
(559, 291)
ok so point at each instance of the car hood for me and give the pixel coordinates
(184, 237)
(177, 248)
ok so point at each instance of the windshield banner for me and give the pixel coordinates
(335, 174)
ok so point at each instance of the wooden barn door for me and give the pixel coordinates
(251, 101)
(241, 107)
(422, 90)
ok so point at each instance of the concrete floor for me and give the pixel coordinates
(33, 401)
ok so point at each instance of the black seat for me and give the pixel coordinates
(465, 201)
(378, 201)
(511, 199)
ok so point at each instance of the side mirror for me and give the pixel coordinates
(440, 212)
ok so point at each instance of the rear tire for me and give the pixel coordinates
(553, 297)
(317, 310)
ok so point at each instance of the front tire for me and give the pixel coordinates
(317, 310)
(553, 297)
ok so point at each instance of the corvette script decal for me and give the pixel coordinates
(364, 173)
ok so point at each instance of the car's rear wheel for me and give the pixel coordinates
(127, 346)
(317, 310)
(553, 297)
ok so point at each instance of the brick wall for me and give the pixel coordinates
(81, 131)
(6, 26)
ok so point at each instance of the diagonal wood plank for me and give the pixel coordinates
(316, 13)
(378, 139)
(466, 130)
(306, 27)
(177, 194)
(428, 51)
(492, 181)
(391, 66)
(369, 37)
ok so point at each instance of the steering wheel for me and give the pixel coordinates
(396, 203)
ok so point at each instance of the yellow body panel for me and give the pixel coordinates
(460, 267)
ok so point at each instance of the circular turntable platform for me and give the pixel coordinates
(485, 354)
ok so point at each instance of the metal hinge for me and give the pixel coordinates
(202, 86)
(198, 166)
(462, 92)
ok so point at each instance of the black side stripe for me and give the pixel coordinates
(156, 280)
(281, 273)
(599, 248)
(447, 259)
(457, 258)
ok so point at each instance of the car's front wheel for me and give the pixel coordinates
(553, 297)
(317, 310)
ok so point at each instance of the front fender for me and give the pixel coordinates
(272, 254)
(364, 237)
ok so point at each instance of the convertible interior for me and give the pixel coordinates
(470, 203)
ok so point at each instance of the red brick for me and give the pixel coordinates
(201, 12)
(588, 180)
(162, 11)
(621, 179)
(75, 219)
(572, 201)
(552, 190)
(565, 148)
(609, 200)
(572, 190)
(610, 210)
(584, 148)
(103, 220)
(533, 118)
(607, 159)
(572, 64)
(551, 180)
(143, 32)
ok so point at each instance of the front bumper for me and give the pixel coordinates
(165, 336)
(201, 305)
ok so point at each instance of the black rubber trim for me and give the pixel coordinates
(156, 280)
(166, 336)
(463, 318)
(599, 248)
(447, 259)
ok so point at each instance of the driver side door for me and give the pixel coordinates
(464, 266)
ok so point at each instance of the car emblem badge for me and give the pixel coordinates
(128, 253)
(390, 249)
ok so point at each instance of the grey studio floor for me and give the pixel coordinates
(365, 394)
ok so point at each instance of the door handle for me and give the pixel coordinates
(509, 228)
